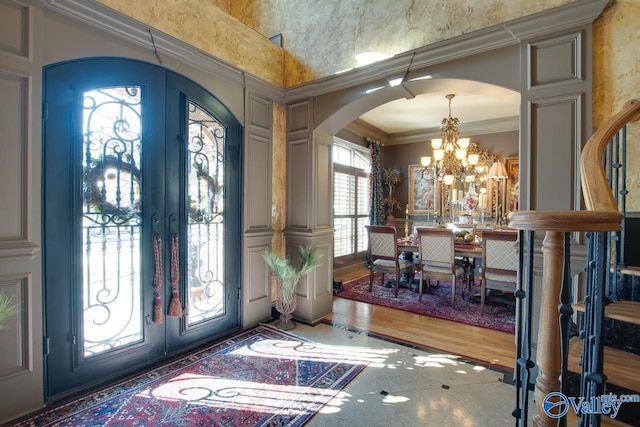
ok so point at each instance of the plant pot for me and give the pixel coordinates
(285, 305)
(390, 220)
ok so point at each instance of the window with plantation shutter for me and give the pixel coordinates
(350, 200)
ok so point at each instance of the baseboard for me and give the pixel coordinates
(346, 269)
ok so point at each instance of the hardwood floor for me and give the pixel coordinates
(470, 342)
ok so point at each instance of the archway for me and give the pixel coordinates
(545, 58)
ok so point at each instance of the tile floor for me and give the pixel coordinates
(408, 387)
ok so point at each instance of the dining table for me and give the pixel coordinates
(469, 252)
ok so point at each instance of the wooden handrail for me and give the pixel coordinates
(595, 188)
(565, 221)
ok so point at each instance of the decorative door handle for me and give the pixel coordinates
(157, 278)
(175, 306)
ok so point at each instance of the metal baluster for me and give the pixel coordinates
(524, 311)
(587, 332)
(519, 294)
(618, 169)
(623, 193)
(609, 165)
(614, 162)
(592, 378)
(622, 205)
(587, 323)
(566, 312)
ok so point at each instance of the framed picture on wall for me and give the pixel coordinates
(512, 195)
(421, 190)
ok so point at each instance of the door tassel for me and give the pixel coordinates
(157, 280)
(175, 306)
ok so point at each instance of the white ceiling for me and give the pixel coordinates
(426, 111)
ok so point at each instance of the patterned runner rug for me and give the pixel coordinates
(262, 377)
(437, 303)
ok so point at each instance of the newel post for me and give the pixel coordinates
(549, 355)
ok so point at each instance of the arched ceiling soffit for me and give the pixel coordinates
(420, 105)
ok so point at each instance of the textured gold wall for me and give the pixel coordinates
(617, 79)
(221, 4)
(279, 179)
(279, 183)
(209, 28)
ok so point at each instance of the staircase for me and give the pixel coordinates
(621, 323)
(602, 354)
(621, 356)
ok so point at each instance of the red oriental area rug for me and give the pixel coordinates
(437, 303)
(262, 377)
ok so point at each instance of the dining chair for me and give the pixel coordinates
(499, 262)
(383, 255)
(437, 260)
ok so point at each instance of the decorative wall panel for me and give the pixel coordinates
(257, 162)
(315, 291)
(298, 188)
(256, 293)
(14, 36)
(258, 182)
(324, 273)
(324, 194)
(260, 112)
(259, 275)
(556, 60)
(298, 117)
(555, 150)
(14, 164)
(21, 46)
(14, 351)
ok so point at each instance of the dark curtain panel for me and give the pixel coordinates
(376, 195)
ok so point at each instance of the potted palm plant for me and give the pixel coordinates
(287, 277)
(7, 309)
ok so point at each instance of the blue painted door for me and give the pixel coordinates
(142, 187)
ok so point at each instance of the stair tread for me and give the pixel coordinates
(630, 270)
(618, 365)
(627, 311)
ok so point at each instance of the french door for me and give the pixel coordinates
(141, 219)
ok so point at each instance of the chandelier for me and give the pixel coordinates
(453, 157)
